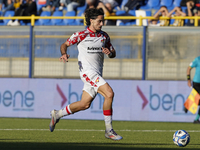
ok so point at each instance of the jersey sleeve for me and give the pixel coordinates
(108, 43)
(73, 39)
(194, 63)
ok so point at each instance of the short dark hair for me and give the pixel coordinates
(92, 13)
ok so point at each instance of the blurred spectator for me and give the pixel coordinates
(9, 5)
(110, 4)
(97, 4)
(51, 5)
(3, 2)
(133, 4)
(161, 12)
(71, 4)
(178, 12)
(27, 9)
(110, 7)
(195, 12)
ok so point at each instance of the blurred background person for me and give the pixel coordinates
(27, 9)
(196, 81)
(162, 12)
(71, 4)
(178, 12)
(51, 5)
(97, 4)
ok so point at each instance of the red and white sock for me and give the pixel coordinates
(64, 112)
(108, 119)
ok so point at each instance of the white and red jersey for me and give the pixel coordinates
(90, 45)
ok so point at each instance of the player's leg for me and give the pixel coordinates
(83, 104)
(107, 92)
(196, 86)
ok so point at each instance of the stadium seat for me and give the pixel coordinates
(125, 22)
(176, 3)
(43, 21)
(56, 21)
(7, 14)
(151, 4)
(167, 3)
(82, 8)
(80, 21)
(70, 21)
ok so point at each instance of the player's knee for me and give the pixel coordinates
(110, 94)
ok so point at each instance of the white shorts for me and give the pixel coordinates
(92, 81)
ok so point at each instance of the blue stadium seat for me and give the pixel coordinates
(167, 3)
(56, 21)
(70, 21)
(80, 21)
(43, 21)
(148, 13)
(151, 4)
(126, 22)
(7, 14)
(176, 3)
(82, 8)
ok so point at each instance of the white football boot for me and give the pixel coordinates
(54, 120)
(112, 135)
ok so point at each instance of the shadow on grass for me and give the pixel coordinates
(83, 146)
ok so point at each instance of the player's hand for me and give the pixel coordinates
(64, 57)
(189, 83)
(105, 51)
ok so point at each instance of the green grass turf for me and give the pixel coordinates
(91, 140)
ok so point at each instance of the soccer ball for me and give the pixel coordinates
(181, 138)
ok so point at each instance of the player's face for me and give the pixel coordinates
(97, 23)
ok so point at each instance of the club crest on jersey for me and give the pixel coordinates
(103, 40)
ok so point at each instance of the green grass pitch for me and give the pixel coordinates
(33, 134)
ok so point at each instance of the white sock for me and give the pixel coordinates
(108, 122)
(63, 112)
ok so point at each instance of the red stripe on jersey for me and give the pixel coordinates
(107, 112)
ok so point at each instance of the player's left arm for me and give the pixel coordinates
(109, 49)
(108, 52)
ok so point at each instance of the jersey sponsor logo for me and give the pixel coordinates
(89, 40)
(94, 49)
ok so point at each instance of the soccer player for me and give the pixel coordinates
(196, 80)
(92, 44)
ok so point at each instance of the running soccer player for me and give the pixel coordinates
(92, 44)
(196, 80)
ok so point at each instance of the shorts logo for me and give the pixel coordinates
(88, 80)
(97, 80)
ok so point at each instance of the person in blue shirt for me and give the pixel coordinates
(196, 80)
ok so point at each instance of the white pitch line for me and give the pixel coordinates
(93, 130)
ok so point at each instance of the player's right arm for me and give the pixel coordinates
(63, 50)
(70, 41)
